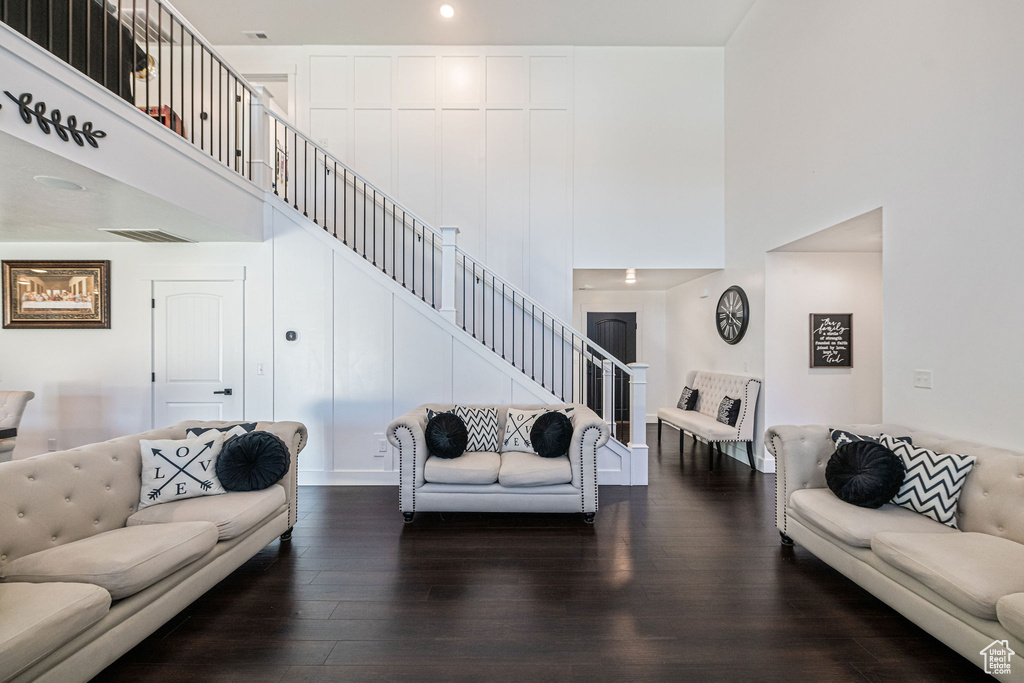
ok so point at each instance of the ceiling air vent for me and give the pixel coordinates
(146, 235)
(256, 35)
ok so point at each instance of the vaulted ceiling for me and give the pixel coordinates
(476, 22)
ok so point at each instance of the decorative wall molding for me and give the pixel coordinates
(53, 123)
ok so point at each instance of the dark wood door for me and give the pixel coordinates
(616, 334)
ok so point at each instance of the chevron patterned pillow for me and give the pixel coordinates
(934, 480)
(482, 424)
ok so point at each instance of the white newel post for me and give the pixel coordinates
(448, 271)
(638, 425)
(261, 163)
(608, 392)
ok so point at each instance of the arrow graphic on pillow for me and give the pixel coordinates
(205, 485)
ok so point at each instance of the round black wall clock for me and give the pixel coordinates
(732, 315)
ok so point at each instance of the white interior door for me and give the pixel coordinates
(197, 351)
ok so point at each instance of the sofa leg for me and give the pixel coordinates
(588, 517)
(694, 438)
(750, 454)
(287, 535)
(659, 430)
(408, 516)
(786, 540)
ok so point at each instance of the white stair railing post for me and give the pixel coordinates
(638, 424)
(608, 393)
(261, 162)
(448, 271)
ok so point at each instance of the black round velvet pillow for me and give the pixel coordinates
(447, 436)
(551, 434)
(252, 462)
(865, 473)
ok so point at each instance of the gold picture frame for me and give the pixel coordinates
(56, 295)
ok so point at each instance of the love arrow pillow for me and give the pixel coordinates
(176, 470)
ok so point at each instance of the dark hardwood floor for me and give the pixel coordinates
(682, 580)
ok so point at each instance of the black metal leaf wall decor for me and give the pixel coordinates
(66, 129)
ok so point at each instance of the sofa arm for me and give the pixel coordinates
(294, 436)
(589, 433)
(801, 454)
(406, 434)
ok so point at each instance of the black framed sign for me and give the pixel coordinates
(831, 340)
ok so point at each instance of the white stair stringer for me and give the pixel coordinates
(385, 350)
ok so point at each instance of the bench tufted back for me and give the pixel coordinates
(712, 387)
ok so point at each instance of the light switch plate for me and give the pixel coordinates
(923, 379)
(382, 445)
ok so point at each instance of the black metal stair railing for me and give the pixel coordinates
(146, 53)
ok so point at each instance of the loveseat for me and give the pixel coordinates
(964, 586)
(712, 387)
(494, 481)
(85, 575)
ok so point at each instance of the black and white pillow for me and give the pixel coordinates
(840, 437)
(482, 425)
(518, 429)
(175, 470)
(229, 431)
(729, 411)
(933, 482)
(688, 399)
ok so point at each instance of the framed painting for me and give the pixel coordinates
(56, 294)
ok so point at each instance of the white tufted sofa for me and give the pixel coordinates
(964, 587)
(77, 510)
(498, 482)
(711, 388)
(12, 407)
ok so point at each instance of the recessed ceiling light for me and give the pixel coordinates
(447, 11)
(58, 183)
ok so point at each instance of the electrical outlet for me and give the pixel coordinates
(923, 379)
(51, 445)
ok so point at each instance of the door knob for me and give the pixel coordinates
(226, 392)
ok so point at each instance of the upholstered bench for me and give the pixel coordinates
(712, 387)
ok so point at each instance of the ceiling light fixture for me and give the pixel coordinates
(447, 11)
(58, 183)
(630, 276)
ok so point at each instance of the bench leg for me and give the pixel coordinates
(681, 435)
(711, 456)
(659, 430)
(750, 454)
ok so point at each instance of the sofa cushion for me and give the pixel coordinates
(856, 526)
(123, 561)
(472, 467)
(691, 421)
(529, 469)
(1010, 610)
(864, 473)
(233, 513)
(35, 620)
(971, 570)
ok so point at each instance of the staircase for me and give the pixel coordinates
(199, 96)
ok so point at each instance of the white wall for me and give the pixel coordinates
(93, 385)
(836, 108)
(648, 157)
(651, 339)
(545, 157)
(796, 285)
